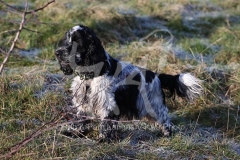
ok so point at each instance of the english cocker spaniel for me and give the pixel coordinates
(109, 89)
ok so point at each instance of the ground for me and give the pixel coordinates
(201, 37)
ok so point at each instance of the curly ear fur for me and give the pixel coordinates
(89, 45)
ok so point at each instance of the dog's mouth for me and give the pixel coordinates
(62, 55)
(66, 68)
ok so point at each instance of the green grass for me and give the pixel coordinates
(229, 41)
(19, 61)
(196, 46)
(131, 31)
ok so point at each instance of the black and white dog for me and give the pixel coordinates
(108, 88)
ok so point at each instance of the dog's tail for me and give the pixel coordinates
(184, 85)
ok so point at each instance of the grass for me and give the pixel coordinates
(32, 89)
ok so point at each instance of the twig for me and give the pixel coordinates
(51, 125)
(15, 39)
(1, 50)
(21, 27)
(195, 126)
(228, 115)
(10, 6)
(38, 9)
(17, 147)
(8, 31)
(31, 30)
(238, 109)
(27, 12)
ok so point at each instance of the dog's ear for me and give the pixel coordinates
(82, 35)
(74, 34)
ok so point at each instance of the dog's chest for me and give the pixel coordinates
(80, 89)
(94, 96)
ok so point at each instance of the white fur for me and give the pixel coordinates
(78, 90)
(74, 29)
(191, 85)
(79, 100)
(150, 102)
(107, 55)
(100, 100)
(102, 96)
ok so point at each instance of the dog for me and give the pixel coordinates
(109, 89)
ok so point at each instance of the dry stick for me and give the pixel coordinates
(236, 121)
(1, 50)
(38, 9)
(31, 30)
(41, 130)
(228, 117)
(15, 40)
(54, 124)
(51, 125)
(21, 26)
(10, 6)
(195, 126)
(8, 31)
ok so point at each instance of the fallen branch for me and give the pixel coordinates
(54, 123)
(39, 131)
(21, 27)
(51, 125)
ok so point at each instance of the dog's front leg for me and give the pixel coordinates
(108, 129)
(104, 106)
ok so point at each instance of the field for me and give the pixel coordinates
(167, 36)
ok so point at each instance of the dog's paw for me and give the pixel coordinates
(109, 136)
(166, 131)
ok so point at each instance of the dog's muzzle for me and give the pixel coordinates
(64, 62)
(67, 70)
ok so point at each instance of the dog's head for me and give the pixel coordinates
(79, 47)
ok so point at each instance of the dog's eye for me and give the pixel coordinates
(65, 53)
(59, 52)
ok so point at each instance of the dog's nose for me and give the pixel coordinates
(57, 52)
(60, 53)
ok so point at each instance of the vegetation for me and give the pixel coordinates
(201, 37)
